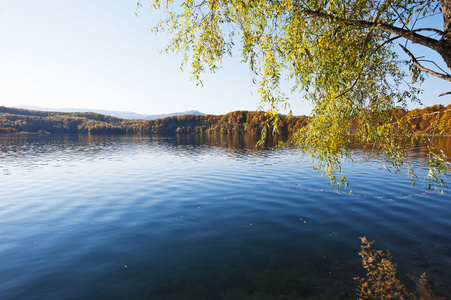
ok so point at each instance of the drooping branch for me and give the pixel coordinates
(422, 68)
(375, 19)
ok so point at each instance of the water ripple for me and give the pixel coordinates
(115, 217)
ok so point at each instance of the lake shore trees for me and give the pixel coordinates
(14, 120)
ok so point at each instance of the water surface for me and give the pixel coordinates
(203, 217)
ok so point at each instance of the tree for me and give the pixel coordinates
(341, 55)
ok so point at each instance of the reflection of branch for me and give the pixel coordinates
(417, 64)
(444, 94)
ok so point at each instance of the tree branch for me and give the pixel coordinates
(386, 42)
(417, 64)
(428, 29)
(376, 17)
(350, 88)
(407, 34)
(433, 62)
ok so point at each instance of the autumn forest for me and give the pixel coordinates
(434, 119)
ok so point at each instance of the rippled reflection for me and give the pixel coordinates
(20, 148)
(202, 217)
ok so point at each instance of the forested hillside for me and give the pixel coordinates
(430, 120)
(14, 120)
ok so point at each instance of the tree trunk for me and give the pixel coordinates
(445, 41)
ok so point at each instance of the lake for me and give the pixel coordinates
(204, 217)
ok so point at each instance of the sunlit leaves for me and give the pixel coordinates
(349, 73)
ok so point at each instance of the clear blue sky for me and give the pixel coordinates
(97, 54)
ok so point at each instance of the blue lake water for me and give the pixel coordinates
(203, 217)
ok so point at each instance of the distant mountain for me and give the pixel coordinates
(161, 116)
(113, 113)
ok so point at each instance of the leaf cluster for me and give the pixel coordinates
(380, 281)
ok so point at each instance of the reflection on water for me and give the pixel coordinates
(92, 146)
(44, 149)
(86, 143)
(202, 217)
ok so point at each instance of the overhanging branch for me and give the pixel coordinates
(426, 70)
(429, 29)
(407, 34)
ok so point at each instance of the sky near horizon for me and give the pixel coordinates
(97, 54)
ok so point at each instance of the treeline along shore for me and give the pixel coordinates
(15, 120)
(429, 120)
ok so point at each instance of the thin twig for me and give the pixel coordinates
(430, 61)
(431, 15)
(387, 41)
(432, 113)
(352, 85)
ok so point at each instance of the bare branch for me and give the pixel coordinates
(428, 29)
(444, 94)
(419, 66)
(433, 62)
(386, 42)
(431, 15)
(399, 17)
